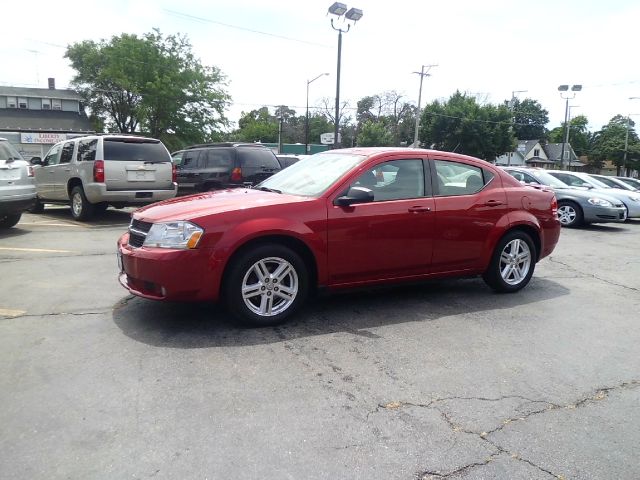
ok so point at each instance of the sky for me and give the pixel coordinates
(268, 51)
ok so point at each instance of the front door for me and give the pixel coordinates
(45, 174)
(390, 237)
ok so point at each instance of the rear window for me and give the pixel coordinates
(135, 149)
(258, 158)
(8, 152)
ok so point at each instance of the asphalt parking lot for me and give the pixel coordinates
(444, 379)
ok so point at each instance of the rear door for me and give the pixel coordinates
(217, 165)
(469, 203)
(132, 163)
(257, 163)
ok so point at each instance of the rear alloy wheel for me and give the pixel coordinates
(81, 208)
(512, 263)
(266, 285)
(569, 214)
(9, 220)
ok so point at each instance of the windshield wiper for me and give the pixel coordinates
(267, 189)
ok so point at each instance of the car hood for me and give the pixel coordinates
(209, 203)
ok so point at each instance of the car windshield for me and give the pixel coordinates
(595, 182)
(313, 175)
(610, 183)
(8, 152)
(546, 179)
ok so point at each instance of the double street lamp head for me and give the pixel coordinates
(574, 88)
(339, 9)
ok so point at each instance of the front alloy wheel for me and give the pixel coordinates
(569, 214)
(267, 285)
(512, 263)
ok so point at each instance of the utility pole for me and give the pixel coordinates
(422, 74)
(512, 104)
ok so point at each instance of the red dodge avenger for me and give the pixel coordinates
(339, 219)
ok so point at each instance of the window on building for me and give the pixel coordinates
(566, 154)
(536, 152)
(56, 104)
(12, 102)
(22, 103)
(46, 104)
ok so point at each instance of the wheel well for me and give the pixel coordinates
(533, 233)
(575, 204)
(294, 244)
(74, 182)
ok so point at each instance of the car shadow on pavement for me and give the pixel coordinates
(111, 216)
(203, 325)
(600, 227)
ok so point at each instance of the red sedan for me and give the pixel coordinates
(338, 219)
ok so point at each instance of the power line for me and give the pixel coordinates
(245, 29)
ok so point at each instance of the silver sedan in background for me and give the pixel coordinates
(576, 206)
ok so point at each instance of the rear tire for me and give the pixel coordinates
(570, 214)
(9, 220)
(81, 208)
(38, 207)
(512, 263)
(266, 285)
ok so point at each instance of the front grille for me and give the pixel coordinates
(138, 232)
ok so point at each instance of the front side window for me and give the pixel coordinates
(53, 157)
(67, 152)
(394, 180)
(456, 178)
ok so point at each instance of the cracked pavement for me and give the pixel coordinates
(441, 380)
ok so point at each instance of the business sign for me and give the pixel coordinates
(327, 138)
(47, 138)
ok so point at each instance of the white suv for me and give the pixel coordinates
(95, 171)
(17, 189)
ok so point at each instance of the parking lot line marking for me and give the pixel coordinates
(5, 312)
(35, 250)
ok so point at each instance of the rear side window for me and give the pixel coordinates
(217, 158)
(190, 160)
(128, 149)
(455, 178)
(258, 158)
(87, 150)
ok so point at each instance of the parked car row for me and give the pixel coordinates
(584, 198)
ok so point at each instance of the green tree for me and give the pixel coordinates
(529, 118)
(461, 125)
(151, 84)
(579, 135)
(257, 126)
(374, 134)
(608, 144)
(388, 110)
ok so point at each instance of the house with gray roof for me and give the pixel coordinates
(570, 162)
(528, 153)
(35, 118)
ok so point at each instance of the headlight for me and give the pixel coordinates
(173, 235)
(600, 202)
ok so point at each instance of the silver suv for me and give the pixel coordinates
(92, 172)
(17, 188)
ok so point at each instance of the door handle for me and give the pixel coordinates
(419, 209)
(492, 203)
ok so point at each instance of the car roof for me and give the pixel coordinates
(225, 144)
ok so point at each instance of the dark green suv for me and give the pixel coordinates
(215, 166)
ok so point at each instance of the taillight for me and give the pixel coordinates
(554, 206)
(98, 171)
(29, 171)
(174, 173)
(236, 175)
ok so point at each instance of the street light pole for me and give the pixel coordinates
(422, 74)
(626, 139)
(306, 124)
(565, 137)
(354, 14)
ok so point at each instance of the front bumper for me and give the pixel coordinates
(596, 214)
(17, 204)
(165, 274)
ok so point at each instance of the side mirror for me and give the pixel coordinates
(353, 196)
(36, 161)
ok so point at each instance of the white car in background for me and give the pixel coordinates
(17, 186)
(630, 199)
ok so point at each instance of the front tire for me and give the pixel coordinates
(266, 285)
(512, 263)
(9, 220)
(570, 214)
(81, 208)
